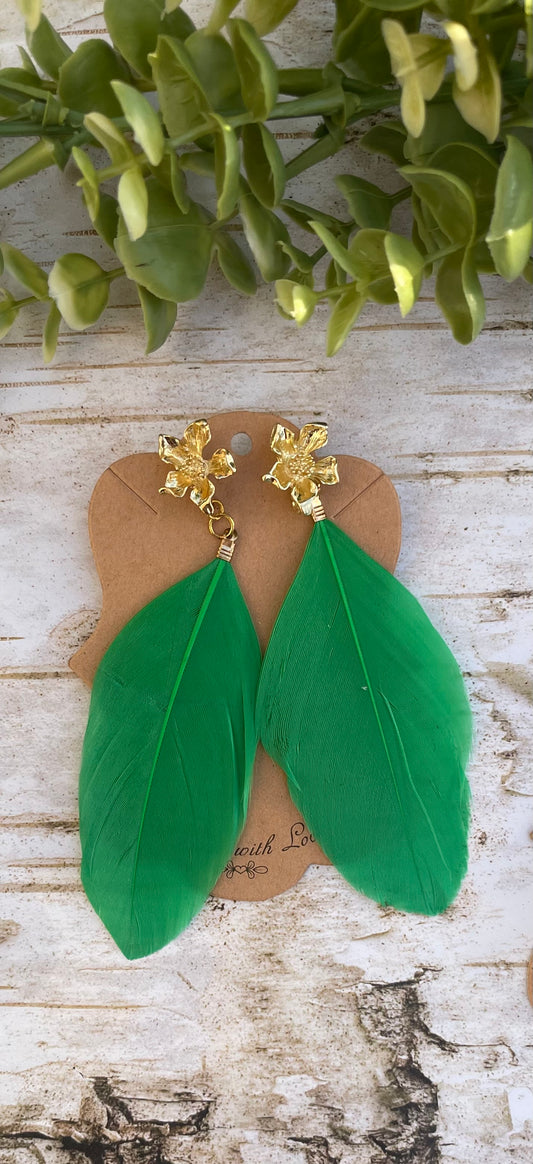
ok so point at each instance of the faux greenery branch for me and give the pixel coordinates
(166, 100)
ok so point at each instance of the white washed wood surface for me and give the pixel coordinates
(317, 1027)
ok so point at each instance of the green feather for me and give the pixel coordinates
(364, 707)
(167, 758)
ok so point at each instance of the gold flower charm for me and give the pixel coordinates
(191, 470)
(296, 468)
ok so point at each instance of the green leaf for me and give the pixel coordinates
(264, 230)
(216, 70)
(172, 258)
(51, 333)
(296, 300)
(159, 319)
(8, 311)
(511, 232)
(406, 267)
(143, 119)
(464, 54)
(265, 15)
(480, 105)
(476, 169)
(443, 125)
(264, 164)
(89, 182)
(234, 265)
(85, 78)
(178, 185)
(183, 102)
(370, 265)
(346, 310)
(38, 157)
(26, 271)
(110, 137)
(335, 247)
(27, 64)
(387, 140)
(358, 40)
(257, 71)
(134, 26)
(459, 295)
(133, 202)
(418, 61)
(300, 259)
(198, 162)
(227, 169)
(448, 198)
(80, 288)
(368, 205)
(219, 14)
(31, 11)
(106, 221)
(47, 47)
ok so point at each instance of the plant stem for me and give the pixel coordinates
(318, 152)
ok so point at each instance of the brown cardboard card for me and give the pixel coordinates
(143, 542)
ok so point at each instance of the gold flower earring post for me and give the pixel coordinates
(191, 471)
(296, 468)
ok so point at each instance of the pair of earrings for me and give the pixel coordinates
(357, 699)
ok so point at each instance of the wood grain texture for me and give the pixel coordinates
(315, 1028)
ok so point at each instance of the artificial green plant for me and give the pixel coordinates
(450, 109)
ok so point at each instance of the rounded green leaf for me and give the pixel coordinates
(265, 168)
(368, 205)
(133, 202)
(265, 15)
(26, 271)
(460, 297)
(234, 265)
(370, 265)
(89, 182)
(448, 198)
(31, 11)
(178, 185)
(227, 169)
(106, 221)
(464, 54)
(110, 137)
(80, 288)
(474, 167)
(406, 267)
(264, 230)
(8, 311)
(335, 247)
(216, 69)
(511, 230)
(85, 78)
(296, 300)
(387, 140)
(47, 47)
(143, 119)
(172, 258)
(134, 26)
(345, 311)
(480, 105)
(257, 71)
(393, 5)
(183, 102)
(51, 333)
(159, 319)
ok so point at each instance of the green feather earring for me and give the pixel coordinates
(171, 737)
(363, 705)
